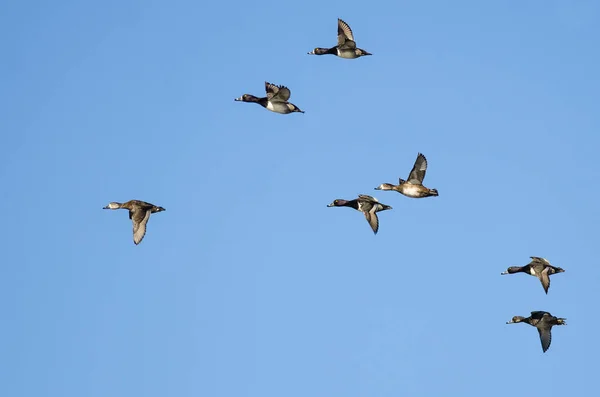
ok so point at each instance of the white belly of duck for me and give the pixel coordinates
(347, 54)
(412, 190)
(278, 107)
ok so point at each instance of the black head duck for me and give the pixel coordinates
(538, 267)
(413, 187)
(544, 322)
(139, 213)
(275, 101)
(346, 46)
(368, 205)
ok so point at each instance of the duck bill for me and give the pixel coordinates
(238, 99)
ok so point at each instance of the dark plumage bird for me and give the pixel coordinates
(367, 205)
(413, 187)
(346, 46)
(275, 101)
(544, 322)
(139, 213)
(538, 267)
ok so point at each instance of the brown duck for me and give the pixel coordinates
(544, 322)
(413, 187)
(139, 213)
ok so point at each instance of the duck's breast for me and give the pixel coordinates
(347, 54)
(412, 190)
(278, 107)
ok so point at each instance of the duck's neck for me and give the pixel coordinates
(261, 101)
(324, 51)
(352, 204)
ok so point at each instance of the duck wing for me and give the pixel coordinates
(417, 174)
(345, 36)
(539, 260)
(139, 219)
(371, 217)
(368, 198)
(537, 315)
(277, 92)
(545, 279)
(545, 337)
(139, 203)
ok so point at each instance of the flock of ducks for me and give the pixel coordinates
(278, 95)
(276, 101)
(543, 321)
(412, 187)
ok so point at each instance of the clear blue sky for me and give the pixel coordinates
(248, 285)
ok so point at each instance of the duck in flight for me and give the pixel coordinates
(413, 187)
(346, 46)
(368, 205)
(275, 101)
(538, 267)
(139, 213)
(544, 322)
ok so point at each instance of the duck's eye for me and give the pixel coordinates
(335, 201)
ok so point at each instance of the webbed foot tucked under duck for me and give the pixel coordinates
(413, 187)
(139, 213)
(275, 101)
(367, 205)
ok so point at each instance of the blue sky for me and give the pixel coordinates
(248, 285)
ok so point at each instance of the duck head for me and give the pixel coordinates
(385, 186)
(516, 319)
(337, 203)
